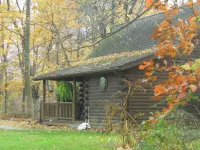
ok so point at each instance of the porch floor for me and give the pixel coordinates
(68, 123)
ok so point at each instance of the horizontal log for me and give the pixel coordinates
(65, 103)
(65, 118)
(100, 117)
(101, 96)
(50, 103)
(103, 114)
(96, 83)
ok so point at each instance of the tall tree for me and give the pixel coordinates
(28, 94)
(4, 53)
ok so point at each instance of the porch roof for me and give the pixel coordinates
(109, 63)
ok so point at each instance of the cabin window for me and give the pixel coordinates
(103, 83)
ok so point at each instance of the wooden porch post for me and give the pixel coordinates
(74, 100)
(44, 99)
(57, 110)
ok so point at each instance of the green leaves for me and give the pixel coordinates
(64, 90)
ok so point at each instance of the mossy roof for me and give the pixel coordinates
(136, 36)
(112, 62)
(129, 45)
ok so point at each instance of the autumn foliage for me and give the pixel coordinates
(174, 40)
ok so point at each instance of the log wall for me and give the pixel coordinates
(97, 98)
(140, 104)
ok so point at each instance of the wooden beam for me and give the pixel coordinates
(57, 110)
(74, 101)
(44, 99)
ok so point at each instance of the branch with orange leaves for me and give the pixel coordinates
(174, 40)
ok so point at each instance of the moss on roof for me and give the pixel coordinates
(111, 58)
(101, 64)
(136, 36)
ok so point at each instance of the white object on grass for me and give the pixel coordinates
(84, 126)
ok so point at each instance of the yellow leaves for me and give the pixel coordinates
(186, 67)
(25, 123)
(14, 87)
(195, 65)
(60, 12)
(11, 14)
(193, 88)
(110, 58)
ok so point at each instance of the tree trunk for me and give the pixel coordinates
(4, 59)
(57, 53)
(126, 18)
(28, 93)
(113, 12)
(6, 85)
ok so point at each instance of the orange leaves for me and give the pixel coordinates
(153, 78)
(146, 64)
(148, 3)
(175, 38)
(191, 18)
(160, 90)
(166, 110)
(147, 74)
(190, 3)
(166, 48)
(191, 79)
(179, 80)
(141, 67)
(160, 29)
(156, 98)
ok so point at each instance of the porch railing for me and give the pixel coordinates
(59, 110)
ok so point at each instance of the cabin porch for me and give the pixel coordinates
(69, 113)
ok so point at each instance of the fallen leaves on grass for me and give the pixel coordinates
(27, 124)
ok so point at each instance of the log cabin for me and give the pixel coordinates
(114, 59)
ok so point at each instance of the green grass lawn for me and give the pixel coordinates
(54, 139)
